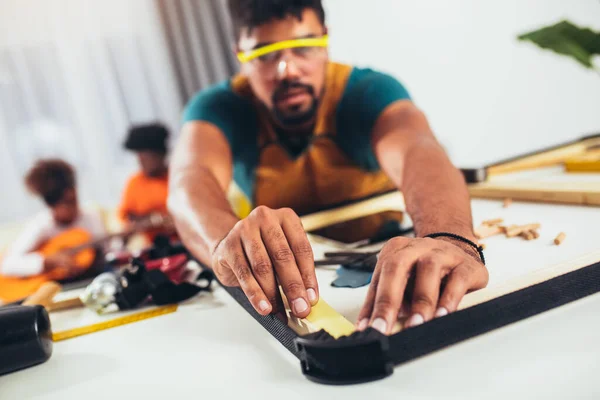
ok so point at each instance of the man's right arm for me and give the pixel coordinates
(200, 173)
(264, 250)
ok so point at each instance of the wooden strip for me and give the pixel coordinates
(544, 159)
(495, 221)
(589, 162)
(582, 166)
(582, 193)
(44, 295)
(67, 304)
(388, 202)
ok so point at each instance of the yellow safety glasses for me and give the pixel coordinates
(269, 52)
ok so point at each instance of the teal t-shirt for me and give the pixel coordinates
(366, 95)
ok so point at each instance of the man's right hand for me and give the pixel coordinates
(267, 249)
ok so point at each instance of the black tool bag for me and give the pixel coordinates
(139, 284)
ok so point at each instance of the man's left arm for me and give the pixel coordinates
(437, 272)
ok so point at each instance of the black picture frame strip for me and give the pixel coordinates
(277, 328)
(493, 314)
(462, 325)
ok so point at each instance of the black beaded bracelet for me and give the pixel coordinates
(459, 238)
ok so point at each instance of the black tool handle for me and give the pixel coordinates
(25, 337)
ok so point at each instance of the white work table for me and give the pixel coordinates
(211, 348)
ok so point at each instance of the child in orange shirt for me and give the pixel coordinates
(146, 191)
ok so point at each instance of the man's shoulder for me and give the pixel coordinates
(218, 98)
(366, 81)
(367, 94)
(227, 105)
(217, 90)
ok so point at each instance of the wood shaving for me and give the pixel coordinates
(491, 222)
(485, 231)
(559, 239)
(516, 230)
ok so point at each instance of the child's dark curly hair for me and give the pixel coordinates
(50, 179)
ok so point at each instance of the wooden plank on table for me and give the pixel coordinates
(393, 201)
(545, 159)
(553, 156)
(581, 193)
(44, 295)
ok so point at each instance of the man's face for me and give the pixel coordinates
(152, 162)
(288, 82)
(65, 212)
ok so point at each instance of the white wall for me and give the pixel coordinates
(486, 94)
(74, 74)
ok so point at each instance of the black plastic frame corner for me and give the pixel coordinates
(358, 358)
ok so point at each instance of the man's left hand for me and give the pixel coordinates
(442, 272)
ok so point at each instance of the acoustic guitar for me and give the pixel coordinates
(78, 243)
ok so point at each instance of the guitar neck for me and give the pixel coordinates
(97, 242)
(149, 222)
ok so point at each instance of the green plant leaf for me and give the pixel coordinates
(567, 39)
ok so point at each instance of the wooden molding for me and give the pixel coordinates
(387, 202)
(580, 193)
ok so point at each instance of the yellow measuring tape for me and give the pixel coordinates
(113, 323)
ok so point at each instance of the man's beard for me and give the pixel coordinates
(291, 117)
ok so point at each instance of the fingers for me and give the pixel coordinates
(390, 292)
(235, 261)
(423, 264)
(262, 269)
(389, 284)
(428, 275)
(302, 250)
(367, 309)
(266, 250)
(284, 263)
(456, 288)
(462, 279)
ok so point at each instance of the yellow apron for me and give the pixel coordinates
(323, 175)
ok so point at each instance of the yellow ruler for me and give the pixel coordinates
(113, 323)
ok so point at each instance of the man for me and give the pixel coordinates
(297, 132)
(146, 192)
(54, 181)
